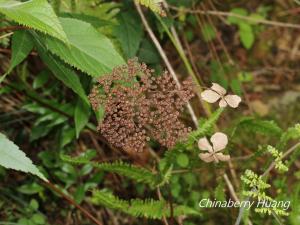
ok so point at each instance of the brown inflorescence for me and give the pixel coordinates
(139, 106)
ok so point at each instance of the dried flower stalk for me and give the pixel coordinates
(140, 106)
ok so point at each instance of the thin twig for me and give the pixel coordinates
(164, 57)
(159, 195)
(288, 152)
(231, 188)
(6, 35)
(248, 18)
(12, 28)
(72, 202)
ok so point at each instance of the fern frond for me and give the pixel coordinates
(266, 127)
(279, 164)
(154, 5)
(291, 134)
(149, 208)
(205, 127)
(125, 169)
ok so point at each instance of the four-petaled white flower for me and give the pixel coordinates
(217, 92)
(219, 142)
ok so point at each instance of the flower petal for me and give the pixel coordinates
(203, 144)
(218, 88)
(210, 96)
(233, 100)
(219, 141)
(206, 157)
(222, 103)
(222, 157)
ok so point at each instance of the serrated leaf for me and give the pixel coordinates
(22, 45)
(148, 208)
(267, 127)
(13, 158)
(36, 14)
(88, 50)
(129, 34)
(60, 71)
(81, 116)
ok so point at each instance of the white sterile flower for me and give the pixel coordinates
(219, 142)
(217, 92)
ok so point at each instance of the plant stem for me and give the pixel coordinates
(72, 202)
(12, 28)
(188, 66)
(230, 14)
(164, 57)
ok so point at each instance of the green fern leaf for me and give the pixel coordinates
(266, 127)
(205, 127)
(87, 50)
(148, 208)
(291, 134)
(36, 14)
(154, 5)
(133, 172)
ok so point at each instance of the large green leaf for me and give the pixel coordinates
(62, 72)
(36, 14)
(88, 50)
(129, 34)
(13, 158)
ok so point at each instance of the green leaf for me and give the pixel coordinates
(60, 71)
(237, 11)
(182, 160)
(266, 127)
(36, 14)
(246, 35)
(22, 45)
(154, 5)
(87, 50)
(13, 158)
(149, 208)
(129, 34)
(122, 168)
(204, 127)
(30, 189)
(81, 116)
(293, 133)
(38, 218)
(41, 79)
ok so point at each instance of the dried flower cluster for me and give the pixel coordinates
(139, 106)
